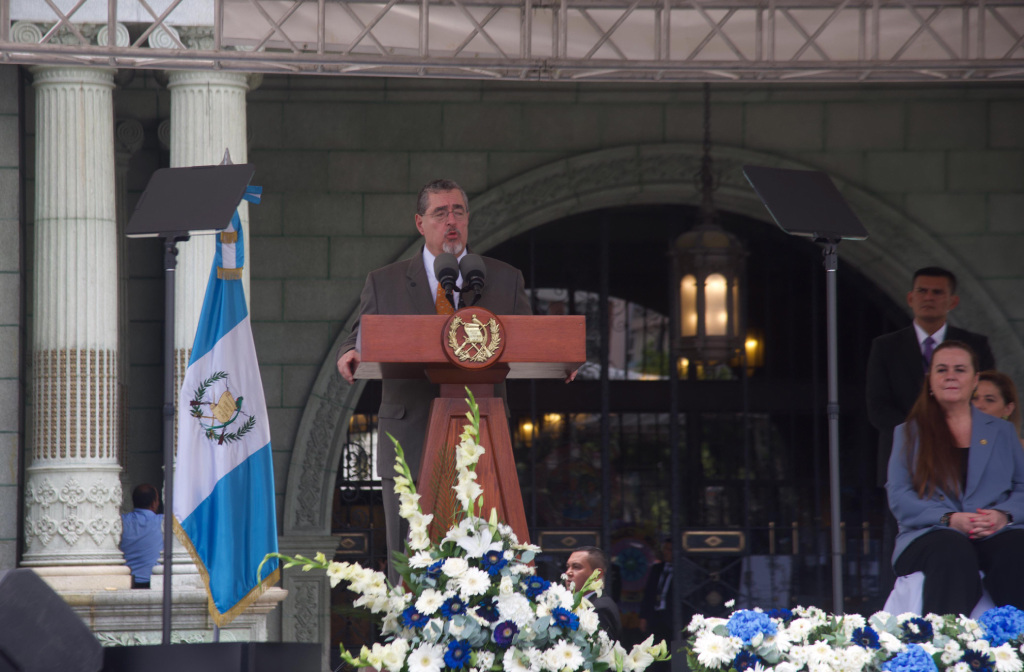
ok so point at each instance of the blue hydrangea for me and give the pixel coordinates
(747, 624)
(1002, 624)
(785, 615)
(866, 637)
(911, 659)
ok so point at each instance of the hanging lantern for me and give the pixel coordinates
(709, 267)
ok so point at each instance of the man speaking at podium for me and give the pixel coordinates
(409, 287)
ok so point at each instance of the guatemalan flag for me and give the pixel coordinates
(224, 478)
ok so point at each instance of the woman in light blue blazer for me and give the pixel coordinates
(956, 488)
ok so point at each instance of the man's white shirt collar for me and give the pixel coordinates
(428, 266)
(938, 337)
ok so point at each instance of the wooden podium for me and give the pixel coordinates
(476, 349)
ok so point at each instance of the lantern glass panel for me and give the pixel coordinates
(716, 313)
(688, 305)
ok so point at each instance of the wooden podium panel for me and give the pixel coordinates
(413, 346)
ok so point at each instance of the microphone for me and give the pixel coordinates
(474, 272)
(446, 270)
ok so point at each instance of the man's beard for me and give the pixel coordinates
(453, 247)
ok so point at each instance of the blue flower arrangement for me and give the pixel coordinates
(808, 639)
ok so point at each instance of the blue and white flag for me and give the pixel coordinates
(224, 478)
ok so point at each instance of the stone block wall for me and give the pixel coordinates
(12, 343)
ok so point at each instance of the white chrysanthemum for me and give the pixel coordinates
(564, 655)
(543, 610)
(819, 652)
(429, 601)
(799, 628)
(889, 642)
(523, 570)
(981, 645)
(851, 622)
(960, 667)
(484, 660)
(515, 608)
(454, 567)
(508, 555)
(713, 651)
(854, 658)
(1006, 659)
(515, 661)
(557, 595)
(474, 582)
(799, 655)
(696, 623)
(589, 622)
(426, 658)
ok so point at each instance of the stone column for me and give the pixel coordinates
(207, 117)
(73, 490)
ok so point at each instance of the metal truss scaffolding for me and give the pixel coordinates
(568, 40)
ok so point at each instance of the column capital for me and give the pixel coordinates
(72, 74)
(128, 136)
(185, 78)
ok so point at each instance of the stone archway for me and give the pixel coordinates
(644, 174)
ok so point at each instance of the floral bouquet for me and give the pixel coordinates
(472, 601)
(808, 638)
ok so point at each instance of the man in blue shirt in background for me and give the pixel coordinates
(142, 537)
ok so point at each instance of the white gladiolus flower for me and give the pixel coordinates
(639, 658)
(427, 658)
(467, 489)
(505, 586)
(394, 655)
(420, 560)
(1006, 659)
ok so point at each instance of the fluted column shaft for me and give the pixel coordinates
(73, 486)
(207, 117)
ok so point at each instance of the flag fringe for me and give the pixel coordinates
(225, 618)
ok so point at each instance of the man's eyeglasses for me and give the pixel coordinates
(441, 214)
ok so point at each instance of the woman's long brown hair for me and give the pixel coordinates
(937, 463)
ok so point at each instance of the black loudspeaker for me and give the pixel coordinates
(39, 632)
(219, 657)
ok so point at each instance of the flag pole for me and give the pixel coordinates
(170, 264)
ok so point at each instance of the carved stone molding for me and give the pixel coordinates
(72, 517)
(164, 37)
(121, 36)
(163, 134)
(128, 136)
(26, 32)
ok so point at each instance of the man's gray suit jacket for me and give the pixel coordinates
(401, 288)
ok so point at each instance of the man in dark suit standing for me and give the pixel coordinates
(896, 371)
(409, 287)
(578, 568)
